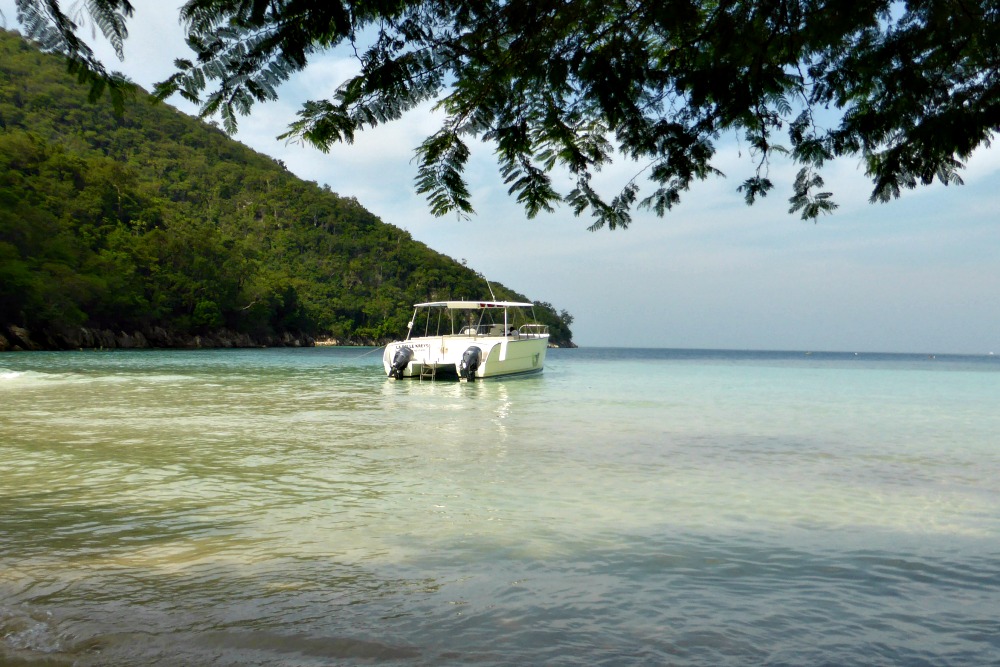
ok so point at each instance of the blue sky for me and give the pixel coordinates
(921, 274)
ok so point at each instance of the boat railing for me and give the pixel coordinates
(533, 330)
(524, 331)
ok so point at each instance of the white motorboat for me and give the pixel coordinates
(468, 340)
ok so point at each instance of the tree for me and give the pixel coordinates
(912, 88)
(54, 30)
(157, 222)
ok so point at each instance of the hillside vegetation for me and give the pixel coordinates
(154, 228)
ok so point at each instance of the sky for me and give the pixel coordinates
(920, 274)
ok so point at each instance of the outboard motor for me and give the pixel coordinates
(470, 362)
(400, 361)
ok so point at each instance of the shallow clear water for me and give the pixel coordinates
(293, 507)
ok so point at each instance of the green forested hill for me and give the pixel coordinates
(156, 222)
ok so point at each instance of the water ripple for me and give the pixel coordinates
(296, 508)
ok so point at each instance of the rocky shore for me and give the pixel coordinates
(18, 339)
(15, 338)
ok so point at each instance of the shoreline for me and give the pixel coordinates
(19, 339)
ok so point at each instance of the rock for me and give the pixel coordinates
(244, 340)
(105, 338)
(71, 338)
(86, 337)
(21, 338)
(326, 341)
(158, 337)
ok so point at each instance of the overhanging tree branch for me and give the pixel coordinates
(569, 84)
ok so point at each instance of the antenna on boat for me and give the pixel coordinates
(491, 289)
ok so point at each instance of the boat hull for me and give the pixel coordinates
(441, 356)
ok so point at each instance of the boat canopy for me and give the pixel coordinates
(473, 305)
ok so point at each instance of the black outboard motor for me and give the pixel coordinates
(470, 362)
(399, 362)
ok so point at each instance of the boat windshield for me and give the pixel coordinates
(475, 319)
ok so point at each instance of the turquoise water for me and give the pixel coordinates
(626, 507)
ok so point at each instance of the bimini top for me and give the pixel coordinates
(473, 305)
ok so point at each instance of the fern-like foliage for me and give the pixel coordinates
(54, 31)
(570, 85)
(811, 204)
(442, 158)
